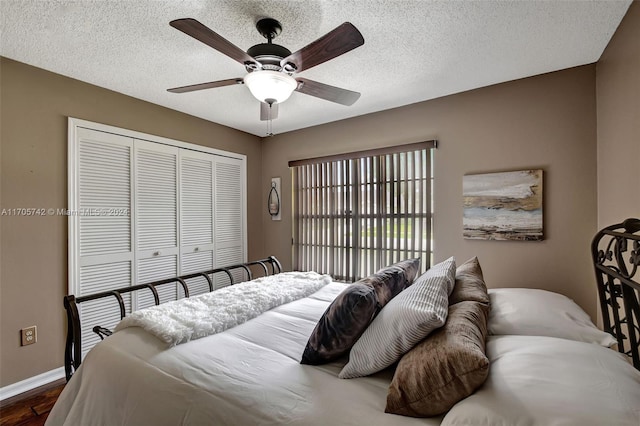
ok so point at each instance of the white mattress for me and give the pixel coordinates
(250, 374)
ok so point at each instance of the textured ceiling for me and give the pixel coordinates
(414, 50)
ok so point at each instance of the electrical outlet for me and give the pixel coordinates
(29, 335)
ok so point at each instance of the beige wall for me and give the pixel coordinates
(35, 105)
(618, 99)
(546, 122)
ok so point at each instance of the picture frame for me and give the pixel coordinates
(505, 206)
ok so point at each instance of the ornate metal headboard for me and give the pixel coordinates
(616, 257)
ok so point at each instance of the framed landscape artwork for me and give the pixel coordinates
(503, 206)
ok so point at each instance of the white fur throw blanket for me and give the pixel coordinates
(210, 313)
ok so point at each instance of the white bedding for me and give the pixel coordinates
(247, 375)
(250, 375)
(545, 381)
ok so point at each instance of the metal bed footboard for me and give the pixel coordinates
(73, 344)
(616, 257)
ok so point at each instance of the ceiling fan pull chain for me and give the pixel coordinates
(270, 121)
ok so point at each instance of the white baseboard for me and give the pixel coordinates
(31, 383)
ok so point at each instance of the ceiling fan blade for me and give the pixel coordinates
(327, 92)
(341, 40)
(201, 32)
(209, 85)
(265, 114)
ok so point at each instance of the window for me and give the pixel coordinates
(356, 213)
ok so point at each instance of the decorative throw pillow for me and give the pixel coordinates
(445, 367)
(391, 280)
(405, 321)
(533, 312)
(470, 285)
(341, 324)
(351, 312)
(409, 268)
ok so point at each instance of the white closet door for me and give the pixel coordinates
(143, 211)
(156, 218)
(102, 221)
(196, 217)
(229, 216)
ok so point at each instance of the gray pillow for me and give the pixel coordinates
(405, 321)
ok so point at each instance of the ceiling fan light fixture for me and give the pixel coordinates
(273, 85)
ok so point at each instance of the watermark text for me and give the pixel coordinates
(43, 211)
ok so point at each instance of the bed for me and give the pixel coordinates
(546, 362)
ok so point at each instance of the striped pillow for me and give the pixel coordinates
(406, 320)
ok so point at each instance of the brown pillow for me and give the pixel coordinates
(341, 325)
(445, 367)
(470, 284)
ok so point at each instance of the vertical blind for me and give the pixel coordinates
(356, 213)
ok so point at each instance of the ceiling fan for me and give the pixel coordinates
(271, 67)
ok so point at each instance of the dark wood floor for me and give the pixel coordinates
(30, 408)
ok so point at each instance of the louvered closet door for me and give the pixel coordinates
(156, 218)
(229, 216)
(196, 217)
(103, 222)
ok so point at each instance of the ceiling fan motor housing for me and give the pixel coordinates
(269, 55)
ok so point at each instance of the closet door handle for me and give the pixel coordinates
(196, 249)
(156, 253)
